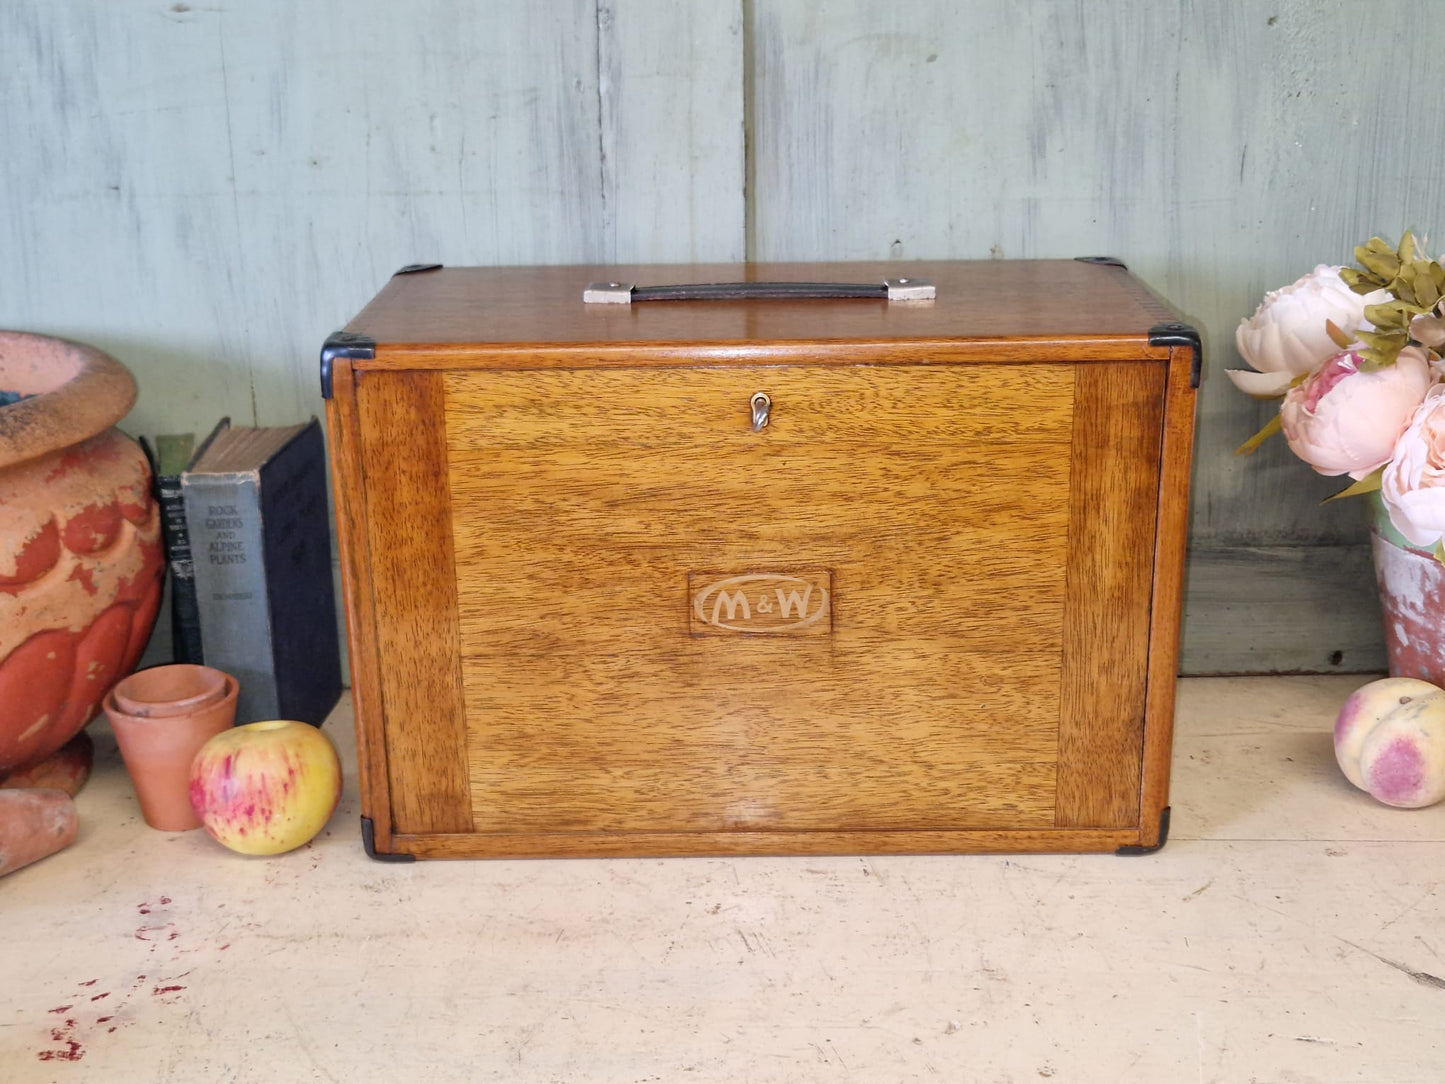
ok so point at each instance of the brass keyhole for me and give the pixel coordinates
(762, 405)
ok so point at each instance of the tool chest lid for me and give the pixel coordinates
(975, 300)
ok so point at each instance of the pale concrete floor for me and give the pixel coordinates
(1290, 931)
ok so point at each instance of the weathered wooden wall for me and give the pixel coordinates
(208, 190)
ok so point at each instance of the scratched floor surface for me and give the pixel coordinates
(1290, 931)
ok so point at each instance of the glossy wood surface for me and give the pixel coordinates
(585, 503)
(1112, 504)
(358, 592)
(549, 548)
(1167, 602)
(978, 300)
(409, 530)
(746, 843)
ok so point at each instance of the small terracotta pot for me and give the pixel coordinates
(161, 718)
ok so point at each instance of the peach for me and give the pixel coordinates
(1402, 761)
(1390, 741)
(1366, 707)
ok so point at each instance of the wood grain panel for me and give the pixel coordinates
(692, 354)
(408, 523)
(357, 593)
(978, 299)
(1112, 513)
(742, 842)
(1167, 598)
(616, 413)
(581, 513)
(727, 738)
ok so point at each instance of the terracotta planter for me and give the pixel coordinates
(80, 552)
(1411, 583)
(161, 718)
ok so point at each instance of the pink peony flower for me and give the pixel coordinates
(1344, 421)
(1286, 336)
(1413, 486)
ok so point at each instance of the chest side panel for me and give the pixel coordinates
(597, 516)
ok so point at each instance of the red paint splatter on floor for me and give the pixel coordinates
(166, 990)
(92, 982)
(165, 899)
(97, 997)
(73, 1050)
(104, 1020)
(63, 1008)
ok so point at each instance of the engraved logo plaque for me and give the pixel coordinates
(794, 603)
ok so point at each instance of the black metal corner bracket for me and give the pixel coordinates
(343, 344)
(368, 840)
(1129, 850)
(413, 268)
(1180, 334)
(1103, 261)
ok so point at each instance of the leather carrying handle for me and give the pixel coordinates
(626, 293)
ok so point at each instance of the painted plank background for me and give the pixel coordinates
(206, 191)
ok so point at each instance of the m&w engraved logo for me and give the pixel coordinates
(792, 603)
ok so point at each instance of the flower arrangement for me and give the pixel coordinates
(1354, 356)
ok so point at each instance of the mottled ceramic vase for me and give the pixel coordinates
(1411, 583)
(80, 552)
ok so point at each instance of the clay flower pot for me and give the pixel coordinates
(161, 718)
(80, 551)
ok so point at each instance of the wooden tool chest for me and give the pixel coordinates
(763, 570)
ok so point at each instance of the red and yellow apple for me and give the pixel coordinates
(267, 787)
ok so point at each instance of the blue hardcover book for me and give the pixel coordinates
(255, 505)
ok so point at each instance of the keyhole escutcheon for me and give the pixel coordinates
(762, 406)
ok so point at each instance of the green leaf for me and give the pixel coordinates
(1383, 340)
(1427, 290)
(1391, 315)
(1379, 258)
(1360, 282)
(1404, 285)
(1440, 551)
(1407, 247)
(1381, 349)
(1368, 484)
(1250, 446)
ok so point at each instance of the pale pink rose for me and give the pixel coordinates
(1413, 485)
(1286, 337)
(1344, 421)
